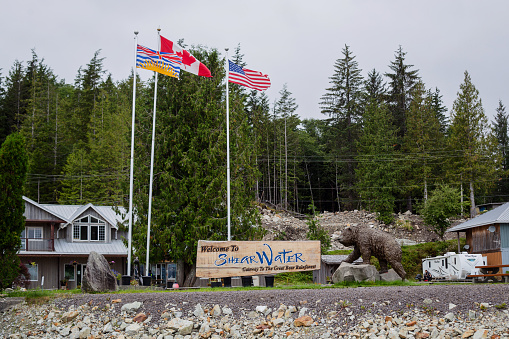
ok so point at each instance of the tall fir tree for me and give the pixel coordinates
(342, 103)
(378, 171)
(285, 108)
(12, 100)
(500, 130)
(472, 140)
(401, 83)
(421, 142)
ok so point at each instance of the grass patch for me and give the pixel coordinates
(38, 296)
(294, 278)
(339, 252)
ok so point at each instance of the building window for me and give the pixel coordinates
(32, 234)
(23, 240)
(69, 272)
(33, 269)
(89, 229)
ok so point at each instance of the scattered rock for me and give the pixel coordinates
(303, 321)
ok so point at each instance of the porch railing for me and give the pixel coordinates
(29, 244)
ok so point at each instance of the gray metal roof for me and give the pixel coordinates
(70, 212)
(337, 259)
(62, 247)
(499, 215)
(116, 247)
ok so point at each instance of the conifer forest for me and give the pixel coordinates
(385, 142)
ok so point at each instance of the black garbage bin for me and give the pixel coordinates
(126, 280)
(269, 281)
(216, 284)
(247, 281)
(227, 282)
(147, 279)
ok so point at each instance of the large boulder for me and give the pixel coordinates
(98, 276)
(349, 272)
(390, 275)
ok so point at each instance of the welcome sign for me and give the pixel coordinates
(218, 259)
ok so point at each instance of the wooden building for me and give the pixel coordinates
(329, 264)
(57, 240)
(488, 234)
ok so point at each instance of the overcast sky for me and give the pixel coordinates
(294, 42)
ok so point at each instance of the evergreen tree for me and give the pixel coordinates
(374, 88)
(501, 133)
(12, 101)
(87, 85)
(342, 103)
(438, 107)
(285, 108)
(38, 127)
(13, 169)
(476, 150)
(378, 171)
(421, 142)
(401, 83)
(312, 150)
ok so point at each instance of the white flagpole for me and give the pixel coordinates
(152, 161)
(228, 145)
(131, 176)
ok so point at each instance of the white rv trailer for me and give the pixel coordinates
(453, 266)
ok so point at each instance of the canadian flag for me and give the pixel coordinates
(189, 62)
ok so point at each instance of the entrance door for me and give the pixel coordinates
(80, 271)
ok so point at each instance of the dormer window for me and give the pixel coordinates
(89, 228)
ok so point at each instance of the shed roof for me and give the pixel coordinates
(499, 215)
(337, 259)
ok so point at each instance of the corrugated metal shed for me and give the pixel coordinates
(495, 216)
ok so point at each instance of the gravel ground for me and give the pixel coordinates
(427, 311)
(377, 300)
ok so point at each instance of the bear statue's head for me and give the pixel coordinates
(348, 236)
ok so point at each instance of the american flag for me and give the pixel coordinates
(161, 62)
(246, 77)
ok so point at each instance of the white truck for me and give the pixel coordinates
(453, 266)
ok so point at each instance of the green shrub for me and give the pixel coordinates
(412, 255)
(316, 232)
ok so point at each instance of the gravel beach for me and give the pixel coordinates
(428, 310)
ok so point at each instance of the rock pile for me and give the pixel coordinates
(408, 228)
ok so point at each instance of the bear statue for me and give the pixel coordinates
(369, 242)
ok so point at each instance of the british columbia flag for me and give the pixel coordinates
(161, 62)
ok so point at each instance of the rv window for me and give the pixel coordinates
(442, 262)
(429, 264)
(446, 262)
(455, 261)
